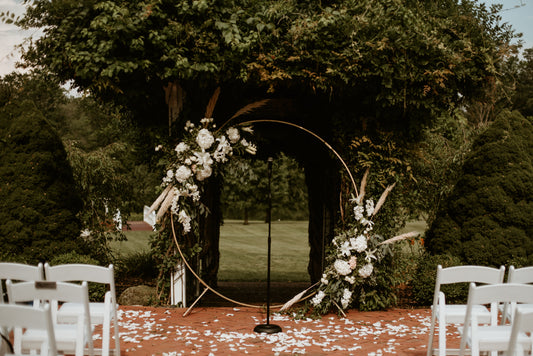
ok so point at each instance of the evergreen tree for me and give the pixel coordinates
(39, 201)
(487, 218)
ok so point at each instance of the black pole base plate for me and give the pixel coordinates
(267, 328)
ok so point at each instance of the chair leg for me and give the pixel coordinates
(442, 338)
(117, 336)
(431, 334)
(105, 337)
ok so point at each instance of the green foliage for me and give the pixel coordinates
(387, 164)
(37, 190)
(423, 282)
(140, 264)
(96, 290)
(400, 61)
(487, 218)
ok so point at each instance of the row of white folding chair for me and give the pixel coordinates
(23, 316)
(101, 313)
(447, 314)
(494, 337)
(72, 337)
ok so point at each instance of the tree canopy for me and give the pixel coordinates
(403, 61)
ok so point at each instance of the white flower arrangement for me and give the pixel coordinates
(195, 159)
(352, 259)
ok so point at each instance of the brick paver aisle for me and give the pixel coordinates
(229, 331)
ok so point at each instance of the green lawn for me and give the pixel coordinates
(243, 249)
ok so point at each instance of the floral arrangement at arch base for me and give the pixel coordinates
(355, 262)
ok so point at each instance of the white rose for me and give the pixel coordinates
(183, 173)
(204, 139)
(366, 270)
(181, 147)
(233, 135)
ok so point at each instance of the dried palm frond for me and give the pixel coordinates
(250, 107)
(212, 103)
(165, 205)
(407, 235)
(159, 199)
(382, 199)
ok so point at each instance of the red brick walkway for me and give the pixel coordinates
(229, 331)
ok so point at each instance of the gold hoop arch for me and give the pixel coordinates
(200, 279)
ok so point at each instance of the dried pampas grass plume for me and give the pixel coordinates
(407, 235)
(382, 199)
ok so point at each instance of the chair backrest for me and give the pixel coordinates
(494, 293)
(48, 290)
(53, 292)
(23, 316)
(469, 274)
(520, 275)
(19, 272)
(82, 272)
(522, 323)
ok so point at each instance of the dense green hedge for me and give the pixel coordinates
(39, 199)
(487, 219)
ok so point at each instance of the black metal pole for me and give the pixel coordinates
(268, 328)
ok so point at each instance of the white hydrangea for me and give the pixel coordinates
(318, 298)
(204, 139)
(346, 296)
(358, 212)
(369, 207)
(185, 221)
(350, 279)
(366, 270)
(233, 135)
(342, 267)
(183, 173)
(359, 243)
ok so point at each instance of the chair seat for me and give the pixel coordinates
(455, 313)
(65, 335)
(69, 312)
(496, 337)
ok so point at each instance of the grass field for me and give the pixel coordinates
(243, 249)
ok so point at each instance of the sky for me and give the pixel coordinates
(518, 13)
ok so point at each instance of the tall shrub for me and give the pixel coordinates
(487, 218)
(39, 201)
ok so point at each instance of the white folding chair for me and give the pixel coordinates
(493, 337)
(34, 318)
(455, 313)
(70, 338)
(521, 275)
(522, 324)
(18, 272)
(101, 313)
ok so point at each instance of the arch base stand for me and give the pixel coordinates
(267, 328)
